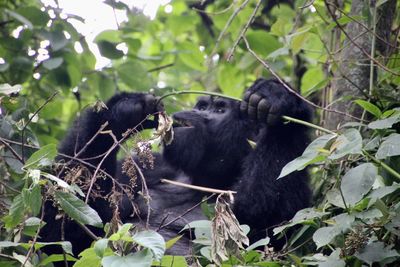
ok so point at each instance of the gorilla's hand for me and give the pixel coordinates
(128, 110)
(266, 101)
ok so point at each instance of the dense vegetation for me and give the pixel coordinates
(48, 75)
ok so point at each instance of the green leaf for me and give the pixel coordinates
(53, 63)
(385, 123)
(56, 258)
(312, 80)
(34, 15)
(100, 247)
(371, 108)
(43, 157)
(357, 182)
(109, 50)
(171, 261)
(112, 36)
(325, 235)
(152, 240)
(33, 199)
(309, 154)
(15, 213)
(77, 209)
(261, 242)
(381, 192)
(262, 42)
(230, 80)
(170, 243)
(376, 252)
(191, 56)
(350, 142)
(142, 258)
(390, 147)
(134, 75)
(20, 18)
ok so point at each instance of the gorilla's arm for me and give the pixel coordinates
(262, 200)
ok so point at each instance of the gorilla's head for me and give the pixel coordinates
(210, 142)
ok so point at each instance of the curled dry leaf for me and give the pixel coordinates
(227, 235)
(164, 129)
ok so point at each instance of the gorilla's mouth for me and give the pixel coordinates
(181, 123)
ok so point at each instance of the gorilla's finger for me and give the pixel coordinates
(262, 110)
(252, 112)
(246, 96)
(254, 99)
(243, 109)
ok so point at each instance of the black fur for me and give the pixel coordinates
(211, 149)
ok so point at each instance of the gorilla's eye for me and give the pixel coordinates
(220, 107)
(201, 105)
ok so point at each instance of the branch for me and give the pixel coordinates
(199, 188)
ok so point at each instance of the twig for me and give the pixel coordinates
(12, 151)
(183, 214)
(30, 251)
(161, 67)
(228, 23)
(87, 230)
(243, 31)
(30, 119)
(199, 188)
(383, 165)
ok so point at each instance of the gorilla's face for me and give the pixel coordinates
(209, 141)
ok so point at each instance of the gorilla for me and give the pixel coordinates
(210, 148)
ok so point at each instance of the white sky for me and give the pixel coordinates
(99, 17)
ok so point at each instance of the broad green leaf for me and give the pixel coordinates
(151, 240)
(325, 235)
(43, 157)
(100, 247)
(333, 260)
(34, 15)
(261, 242)
(77, 209)
(312, 80)
(385, 123)
(171, 261)
(350, 142)
(230, 80)
(15, 213)
(262, 42)
(309, 154)
(191, 56)
(335, 198)
(142, 258)
(109, 50)
(19, 17)
(357, 182)
(300, 217)
(390, 147)
(33, 199)
(371, 108)
(56, 258)
(170, 243)
(53, 63)
(88, 258)
(282, 26)
(376, 252)
(112, 36)
(381, 192)
(57, 40)
(134, 75)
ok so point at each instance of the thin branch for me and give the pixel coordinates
(30, 119)
(20, 159)
(199, 188)
(161, 67)
(243, 31)
(228, 23)
(183, 214)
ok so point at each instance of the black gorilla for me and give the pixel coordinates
(210, 148)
